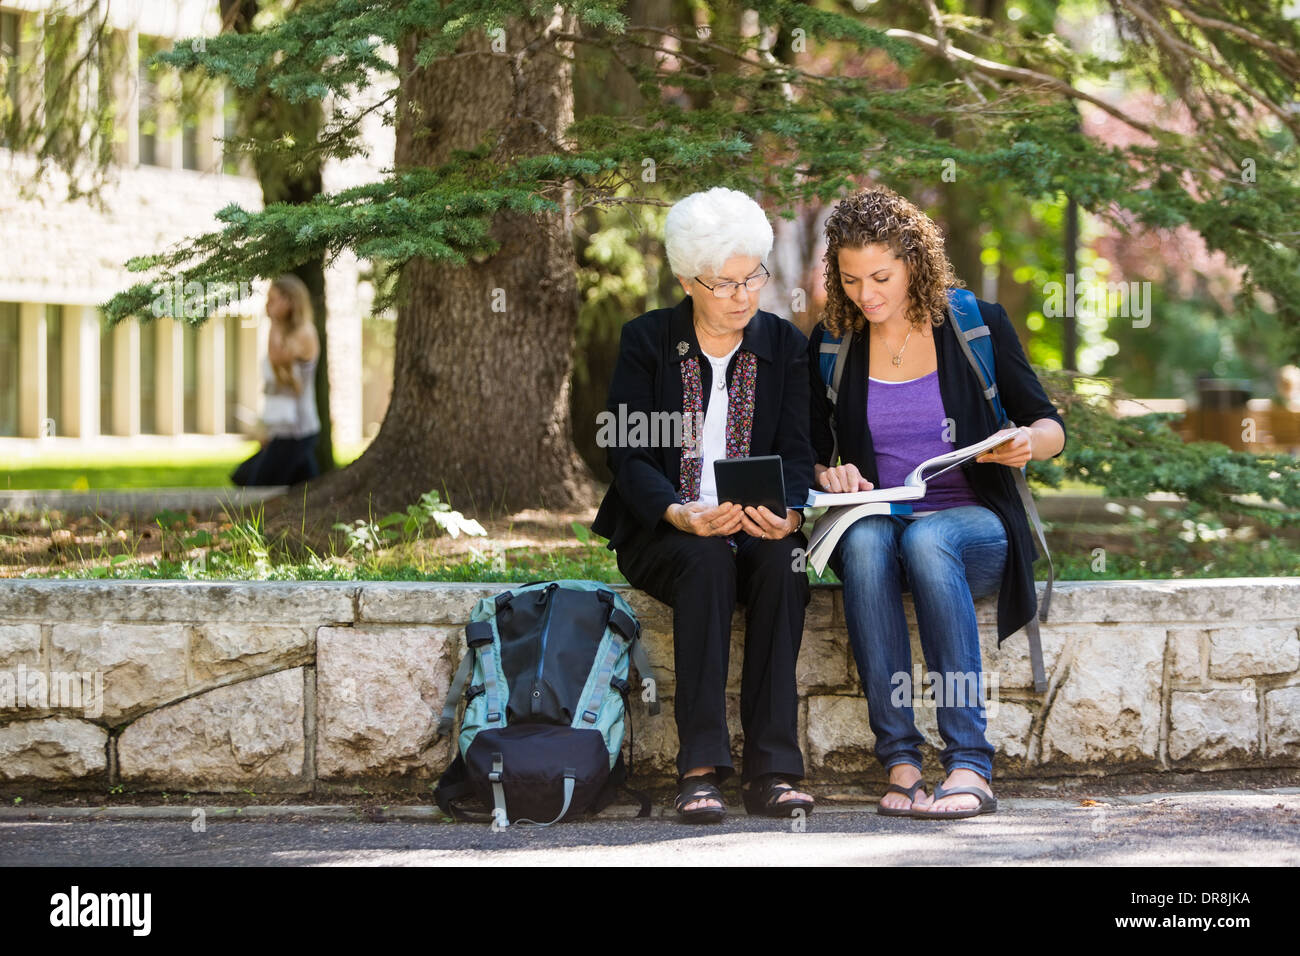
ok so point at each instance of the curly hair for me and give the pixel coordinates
(878, 215)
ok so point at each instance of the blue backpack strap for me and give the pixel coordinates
(630, 630)
(832, 373)
(977, 343)
(589, 709)
(829, 351)
(479, 636)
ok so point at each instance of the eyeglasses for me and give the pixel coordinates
(725, 290)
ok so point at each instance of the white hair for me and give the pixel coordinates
(706, 229)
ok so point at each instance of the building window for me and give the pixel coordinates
(9, 117)
(196, 114)
(9, 365)
(107, 368)
(231, 331)
(148, 378)
(150, 103)
(230, 129)
(190, 145)
(190, 415)
(53, 370)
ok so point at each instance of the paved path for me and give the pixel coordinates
(1217, 828)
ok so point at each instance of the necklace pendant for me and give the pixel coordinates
(897, 360)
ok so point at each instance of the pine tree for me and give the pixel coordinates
(491, 165)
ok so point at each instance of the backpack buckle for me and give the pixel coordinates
(478, 633)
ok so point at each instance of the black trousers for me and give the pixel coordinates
(284, 461)
(702, 579)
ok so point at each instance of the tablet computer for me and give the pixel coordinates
(751, 481)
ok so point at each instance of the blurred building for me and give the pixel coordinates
(62, 373)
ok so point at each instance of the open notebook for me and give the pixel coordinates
(844, 508)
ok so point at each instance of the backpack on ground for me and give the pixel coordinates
(977, 344)
(546, 703)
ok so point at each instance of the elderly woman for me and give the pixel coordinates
(716, 357)
(908, 393)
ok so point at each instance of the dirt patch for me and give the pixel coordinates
(55, 541)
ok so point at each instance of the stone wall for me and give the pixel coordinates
(321, 687)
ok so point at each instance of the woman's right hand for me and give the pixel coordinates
(705, 520)
(842, 479)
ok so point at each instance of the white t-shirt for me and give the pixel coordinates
(714, 444)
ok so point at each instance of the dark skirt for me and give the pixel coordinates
(284, 461)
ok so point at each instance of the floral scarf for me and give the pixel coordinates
(740, 418)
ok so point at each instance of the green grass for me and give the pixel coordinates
(1226, 559)
(589, 564)
(196, 468)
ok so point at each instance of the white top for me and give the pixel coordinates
(714, 445)
(306, 421)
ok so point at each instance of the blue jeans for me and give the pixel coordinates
(947, 559)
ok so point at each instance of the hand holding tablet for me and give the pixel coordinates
(758, 485)
(757, 482)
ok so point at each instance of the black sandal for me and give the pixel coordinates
(763, 798)
(700, 787)
(909, 792)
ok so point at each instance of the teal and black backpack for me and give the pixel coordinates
(547, 669)
(977, 344)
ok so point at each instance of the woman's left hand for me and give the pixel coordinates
(1013, 454)
(758, 522)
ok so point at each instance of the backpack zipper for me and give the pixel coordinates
(542, 595)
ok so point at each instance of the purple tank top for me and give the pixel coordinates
(907, 427)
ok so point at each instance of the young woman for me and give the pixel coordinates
(907, 394)
(289, 417)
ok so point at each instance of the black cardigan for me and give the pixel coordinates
(647, 378)
(993, 484)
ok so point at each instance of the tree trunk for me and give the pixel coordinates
(261, 109)
(479, 408)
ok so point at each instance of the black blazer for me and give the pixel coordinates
(1023, 398)
(647, 378)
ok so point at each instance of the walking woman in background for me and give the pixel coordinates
(292, 426)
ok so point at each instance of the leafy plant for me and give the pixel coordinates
(367, 537)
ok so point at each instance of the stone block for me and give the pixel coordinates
(1253, 651)
(52, 750)
(220, 651)
(379, 694)
(143, 665)
(1213, 725)
(1108, 709)
(246, 734)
